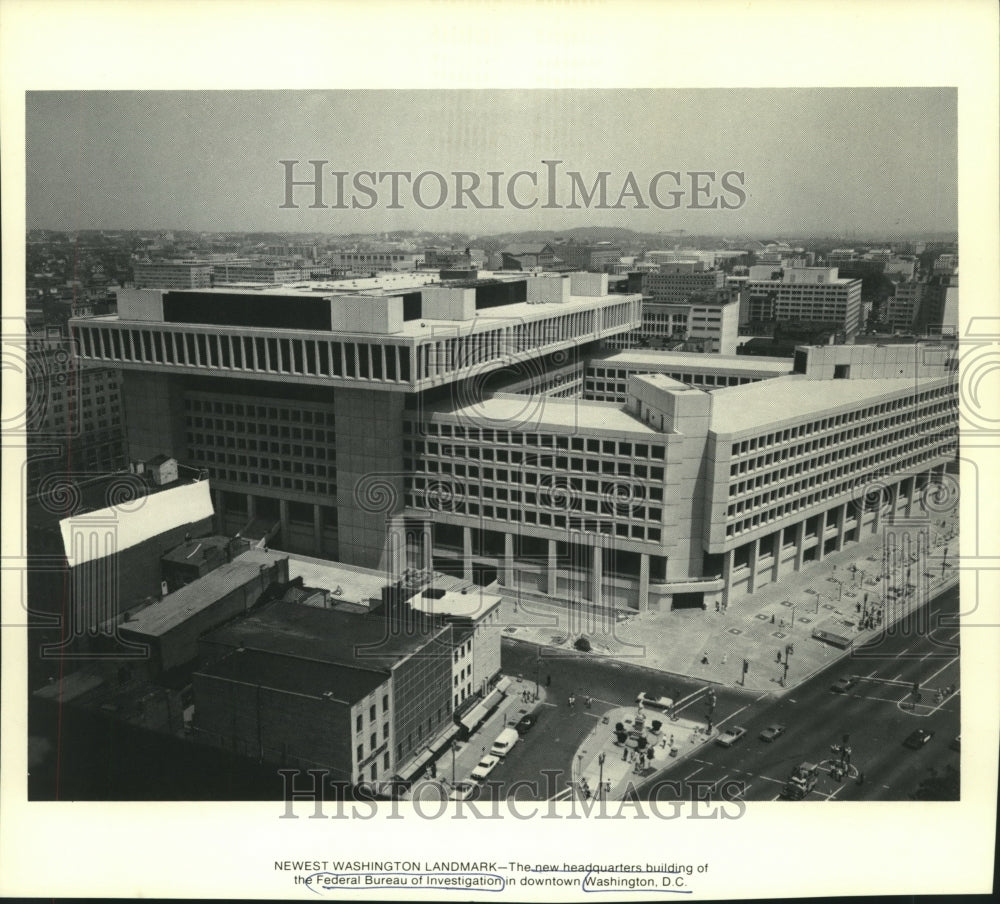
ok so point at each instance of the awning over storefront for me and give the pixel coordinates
(440, 741)
(503, 684)
(415, 766)
(474, 716)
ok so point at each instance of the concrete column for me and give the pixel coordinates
(842, 526)
(551, 580)
(643, 582)
(318, 529)
(251, 506)
(283, 515)
(820, 536)
(910, 495)
(754, 557)
(727, 576)
(467, 553)
(778, 548)
(220, 512)
(508, 561)
(800, 544)
(597, 574)
(427, 546)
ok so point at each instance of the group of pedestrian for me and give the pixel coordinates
(587, 701)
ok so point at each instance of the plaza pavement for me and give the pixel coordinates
(755, 627)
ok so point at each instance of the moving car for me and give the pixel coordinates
(802, 780)
(916, 739)
(772, 733)
(484, 767)
(730, 736)
(843, 685)
(526, 723)
(654, 702)
(463, 790)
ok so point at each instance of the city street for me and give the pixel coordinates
(876, 714)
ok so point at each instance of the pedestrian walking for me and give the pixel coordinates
(725, 658)
(772, 618)
(572, 701)
(671, 740)
(548, 680)
(625, 755)
(587, 701)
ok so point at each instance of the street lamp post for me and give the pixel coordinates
(538, 661)
(600, 782)
(453, 763)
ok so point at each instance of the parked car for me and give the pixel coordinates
(843, 685)
(484, 767)
(772, 733)
(654, 702)
(956, 743)
(463, 790)
(505, 742)
(730, 736)
(916, 739)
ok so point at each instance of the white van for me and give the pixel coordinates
(504, 742)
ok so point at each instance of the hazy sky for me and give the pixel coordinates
(814, 160)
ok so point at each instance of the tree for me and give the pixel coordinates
(582, 644)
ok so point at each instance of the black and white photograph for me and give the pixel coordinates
(609, 463)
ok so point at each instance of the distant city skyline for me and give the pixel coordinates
(811, 162)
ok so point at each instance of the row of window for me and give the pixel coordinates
(930, 449)
(533, 517)
(492, 438)
(294, 413)
(911, 402)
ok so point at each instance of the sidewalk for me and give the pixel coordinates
(755, 627)
(468, 753)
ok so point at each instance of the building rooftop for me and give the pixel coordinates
(695, 361)
(176, 608)
(469, 603)
(137, 510)
(345, 583)
(330, 636)
(195, 552)
(507, 411)
(755, 406)
(296, 675)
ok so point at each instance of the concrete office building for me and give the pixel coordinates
(678, 282)
(172, 274)
(683, 497)
(607, 377)
(73, 414)
(293, 401)
(814, 294)
(599, 257)
(374, 260)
